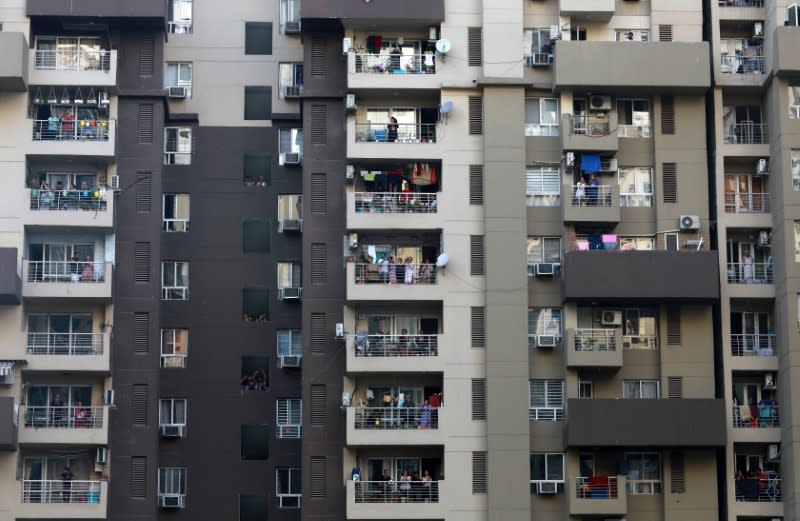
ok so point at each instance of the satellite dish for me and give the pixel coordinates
(446, 107)
(443, 46)
(441, 262)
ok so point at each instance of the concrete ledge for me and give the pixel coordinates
(13, 62)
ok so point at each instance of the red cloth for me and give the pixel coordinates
(435, 400)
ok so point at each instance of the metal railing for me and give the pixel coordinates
(288, 500)
(741, 3)
(595, 340)
(404, 133)
(76, 130)
(588, 126)
(758, 490)
(761, 416)
(291, 91)
(396, 418)
(73, 60)
(553, 414)
(636, 199)
(66, 271)
(71, 344)
(175, 361)
(539, 130)
(633, 131)
(64, 417)
(747, 134)
(593, 488)
(289, 430)
(743, 64)
(420, 274)
(794, 111)
(68, 200)
(395, 202)
(396, 345)
(175, 225)
(753, 344)
(748, 202)
(639, 487)
(640, 341)
(387, 63)
(750, 273)
(179, 27)
(588, 195)
(397, 491)
(57, 491)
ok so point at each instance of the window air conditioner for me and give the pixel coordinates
(758, 29)
(611, 318)
(350, 172)
(290, 225)
(289, 361)
(546, 269)
(177, 92)
(339, 330)
(115, 182)
(109, 397)
(172, 431)
(546, 340)
(547, 487)
(570, 159)
(291, 27)
(171, 501)
(290, 293)
(773, 451)
(350, 103)
(101, 456)
(762, 167)
(352, 240)
(600, 103)
(690, 222)
(293, 158)
(540, 59)
(769, 381)
(763, 238)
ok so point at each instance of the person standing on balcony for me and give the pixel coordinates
(747, 267)
(394, 58)
(392, 271)
(75, 268)
(68, 125)
(409, 271)
(580, 192)
(594, 189)
(52, 126)
(391, 130)
(58, 411)
(88, 269)
(66, 485)
(384, 269)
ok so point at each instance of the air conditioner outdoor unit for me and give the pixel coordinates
(611, 318)
(350, 103)
(570, 158)
(547, 487)
(177, 92)
(291, 27)
(540, 59)
(600, 103)
(291, 158)
(546, 269)
(352, 240)
(763, 238)
(690, 222)
(773, 451)
(290, 293)
(347, 44)
(101, 456)
(769, 381)
(546, 341)
(109, 397)
(115, 182)
(289, 361)
(171, 501)
(762, 167)
(758, 29)
(172, 431)
(290, 225)
(350, 172)
(339, 331)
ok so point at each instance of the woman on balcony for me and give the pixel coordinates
(391, 130)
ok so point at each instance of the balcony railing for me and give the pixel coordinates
(397, 491)
(291, 91)
(597, 487)
(393, 418)
(746, 202)
(552, 414)
(588, 126)
(539, 130)
(636, 199)
(396, 345)
(640, 341)
(75, 60)
(747, 134)
(70, 344)
(394, 202)
(89, 200)
(405, 133)
(66, 271)
(419, 274)
(289, 430)
(633, 131)
(759, 490)
(741, 3)
(753, 345)
(387, 63)
(794, 111)
(77, 130)
(750, 272)
(743, 64)
(760, 416)
(588, 195)
(66, 417)
(57, 491)
(595, 340)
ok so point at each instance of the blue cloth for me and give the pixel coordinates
(590, 163)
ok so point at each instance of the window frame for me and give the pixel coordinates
(635, 129)
(179, 358)
(794, 101)
(549, 411)
(180, 25)
(180, 152)
(290, 202)
(543, 241)
(294, 350)
(175, 224)
(556, 314)
(180, 82)
(165, 290)
(290, 266)
(634, 486)
(291, 495)
(639, 35)
(165, 478)
(544, 129)
(296, 82)
(794, 165)
(643, 198)
(173, 406)
(584, 383)
(545, 465)
(639, 395)
(284, 428)
(295, 141)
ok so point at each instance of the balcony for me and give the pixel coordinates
(679, 67)
(68, 352)
(394, 353)
(365, 282)
(753, 419)
(368, 140)
(759, 490)
(76, 208)
(153, 11)
(97, 68)
(8, 424)
(87, 139)
(601, 348)
(47, 499)
(591, 204)
(379, 500)
(598, 496)
(683, 276)
(10, 277)
(384, 210)
(386, 426)
(588, 10)
(746, 202)
(68, 425)
(384, 70)
(645, 423)
(14, 63)
(594, 133)
(417, 11)
(753, 344)
(750, 272)
(787, 62)
(61, 279)
(747, 134)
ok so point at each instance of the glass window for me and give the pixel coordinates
(637, 243)
(290, 207)
(290, 15)
(171, 481)
(543, 186)
(289, 418)
(287, 487)
(795, 165)
(632, 35)
(176, 212)
(290, 275)
(640, 389)
(290, 342)
(644, 472)
(635, 186)
(177, 146)
(291, 79)
(541, 117)
(794, 102)
(547, 466)
(255, 373)
(179, 75)
(290, 141)
(585, 389)
(254, 442)
(634, 117)
(174, 280)
(180, 17)
(546, 400)
(544, 250)
(172, 411)
(543, 321)
(797, 241)
(174, 347)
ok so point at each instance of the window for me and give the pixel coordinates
(644, 472)
(543, 186)
(544, 250)
(546, 400)
(174, 347)
(741, 125)
(585, 389)
(290, 208)
(177, 146)
(174, 280)
(290, 342)
(547, 470)
(179, 75)
(255, 375)
(797, 241)
(289, 418)
(632, 35)
(290, 275)
(545, 322)
(634, 117)
(258, 38)
(290, 145)
(541, 117)
(254, 442)
(257, 103)
(172, 411)
(180, 17)
(538, 47)
(287, 487)
(253, 507)
(635, 186)
(795, 164)
(794, 102)
(637, 243)
(257, 170)
(641, 389)
(255, 305)
(62, 334)
(290, 16)
(291, 80)
(176, 213)
(171, 481)
(255, 236)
